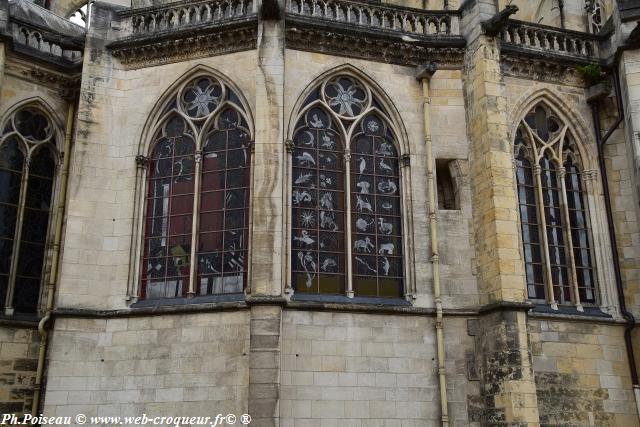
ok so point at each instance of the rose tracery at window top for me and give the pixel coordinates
(198, 193)
(346, 207)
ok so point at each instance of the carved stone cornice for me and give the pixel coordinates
(140, 52)
(532, 68)
(445, 52)
(67, 85)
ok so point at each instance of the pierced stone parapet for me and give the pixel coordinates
(35, 32)
(390, 18)
(550, 40)
(186, 14)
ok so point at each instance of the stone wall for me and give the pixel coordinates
(18, 363)
(582, 374)
(188, 365)
(365, 369)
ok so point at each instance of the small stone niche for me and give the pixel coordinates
(448, 197)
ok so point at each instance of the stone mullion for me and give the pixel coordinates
(195, 224)
(11, 285)
(537, 170)
(137, 226)
(564, 206)
(288, 217)
(605, 288)
(348, 249)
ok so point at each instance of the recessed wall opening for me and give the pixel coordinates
(447, 194)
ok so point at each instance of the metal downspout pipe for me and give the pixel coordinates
(600, 142)
(53, 275)
(424, 75)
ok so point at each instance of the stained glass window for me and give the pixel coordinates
(27, 172)
(167, 247)
(222, 251)
(199, 172)
(318, 205)
(346, 204)
(553, 216)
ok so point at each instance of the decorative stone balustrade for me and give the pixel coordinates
(392, 18)
(49, 44)
(550, 40)
(184, 15)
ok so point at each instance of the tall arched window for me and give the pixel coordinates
(27, 171)
(346, 208)
(555, 231)
(198, 194)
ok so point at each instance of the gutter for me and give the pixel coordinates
(628, 316)
(51, 285)
(424, 75)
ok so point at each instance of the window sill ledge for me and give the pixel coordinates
(342, 299)
(543, 311)
(181, 301)
(20, 320)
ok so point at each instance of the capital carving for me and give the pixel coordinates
(405, 160)
(347, 156)
(142, 161)
(289, 145)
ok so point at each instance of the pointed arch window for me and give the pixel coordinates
(346, 194)
(596, 15)
(556, 235)
(27, 172)
(197, 194)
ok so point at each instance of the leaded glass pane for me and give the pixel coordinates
(375, 206)
(34, 231)
(11, 164)
(555, 230)
(318, 206)
(529, 224)
(224, 201)
(165, 267)
(579, 233)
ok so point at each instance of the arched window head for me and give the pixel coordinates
(82, 15)
(346, 207)
(595, 14)
(27, 171)
(555, 233)
(197, 194)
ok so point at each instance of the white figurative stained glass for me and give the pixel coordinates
(346, 205)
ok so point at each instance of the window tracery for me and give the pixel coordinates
(197, 194)
(555, 231)
(82, 15)
(346, 208)
(27, 171)
(595, 14)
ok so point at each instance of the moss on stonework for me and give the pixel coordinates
(562, 402)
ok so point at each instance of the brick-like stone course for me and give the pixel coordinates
(195, 365)
(18, 364)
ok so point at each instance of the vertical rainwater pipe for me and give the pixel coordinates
(424, 75)
(55, 264)
(626, 314)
